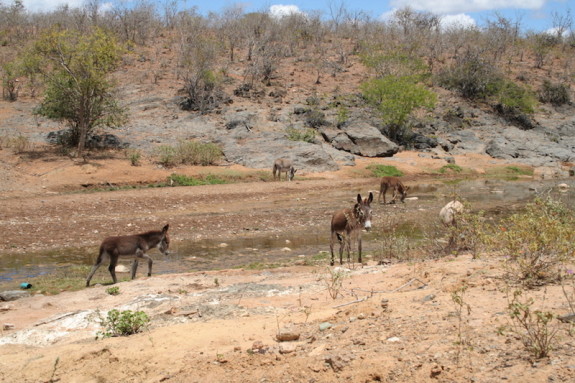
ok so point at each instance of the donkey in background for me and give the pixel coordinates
(396, 185)
(346, 223)
(131, 245)
(282, 165)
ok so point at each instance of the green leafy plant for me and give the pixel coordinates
(114, 290)
(124, 323)
(384, 171)
(395, 98)
(75, 66)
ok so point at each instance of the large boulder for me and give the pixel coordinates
(362, 139)
(261, 150)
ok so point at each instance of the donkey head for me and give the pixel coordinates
(362, 210)
(291, 173)
(404, 191)
(165, 240)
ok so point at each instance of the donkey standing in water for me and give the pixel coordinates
(131, 245)
(284, 165)
(348, 222)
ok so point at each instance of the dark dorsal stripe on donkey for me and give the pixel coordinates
(131, 245)
(346, 223)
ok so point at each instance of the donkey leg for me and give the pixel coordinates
(331, 248)
(359, 249)
(134, 267)
(112, 267)
(140, 254)
(93, 271)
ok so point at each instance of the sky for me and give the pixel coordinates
(534, 15)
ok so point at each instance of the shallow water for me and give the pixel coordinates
(496, 197)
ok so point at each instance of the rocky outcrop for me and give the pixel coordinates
(360, 138)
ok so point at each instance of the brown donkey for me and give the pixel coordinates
(282, 165)
(131, 245)
(395, 184)
(350, 222)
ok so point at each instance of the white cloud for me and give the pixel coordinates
(442, 7)
(50, 5)
(279, 10)
(458, 21)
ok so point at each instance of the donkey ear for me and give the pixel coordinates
(165, 229)
(359, 198)
(370, 198)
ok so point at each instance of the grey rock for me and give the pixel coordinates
(12, 295)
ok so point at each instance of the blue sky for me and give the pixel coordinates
(534, 14)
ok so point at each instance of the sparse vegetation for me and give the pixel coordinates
(123, 323)
(537, 329)
(554, 94)
(183, 180)
(305, 135)
(384, 171)
(188, 153)
(114, 290)
(537, 241)
(450, 168)
(333, 281)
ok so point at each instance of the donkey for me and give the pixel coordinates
(131, 245)
(284, 165)
(396, 184)
(348, 222)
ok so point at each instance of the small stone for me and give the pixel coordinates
(287, 336)
(8, 326)
(324, 326)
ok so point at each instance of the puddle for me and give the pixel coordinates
(496, 197)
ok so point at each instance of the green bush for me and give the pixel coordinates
(198, 153)
(395, 98)
(124, 323)
(306, 135)
(115, 290)
(555, 94)
(166, 156)
(514, 97)
(188, 153)
(384, 171)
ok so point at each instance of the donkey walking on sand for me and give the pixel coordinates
(396, 185)
(131, 245)
(346, 223)
(282, 165)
